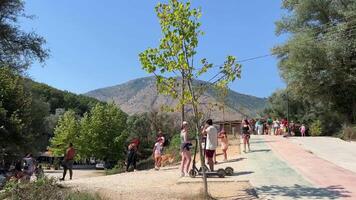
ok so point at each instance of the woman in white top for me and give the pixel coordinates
(185, 150)
(157, 153)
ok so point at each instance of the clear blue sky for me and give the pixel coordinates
(96, 44)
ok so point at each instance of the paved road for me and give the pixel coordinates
(329, 177)
(333, 150)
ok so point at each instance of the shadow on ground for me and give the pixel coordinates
(242, 173)
(260, 150)
(261, 141)
(232, 160)
(300, 191)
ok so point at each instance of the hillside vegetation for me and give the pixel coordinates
(140, 95)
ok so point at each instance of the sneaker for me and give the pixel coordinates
(61, 179)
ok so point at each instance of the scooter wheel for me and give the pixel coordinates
(192, 173)
(221, 173)
(229, 171)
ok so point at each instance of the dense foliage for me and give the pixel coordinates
(28, 115)
(18, 49)
(318, 63)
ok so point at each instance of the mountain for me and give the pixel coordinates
(140, 95)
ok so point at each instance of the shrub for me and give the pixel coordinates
(349, 132)
(316, 128)
(43, 189)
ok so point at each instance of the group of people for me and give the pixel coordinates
(22, 170)
(210, 137)
(277, 127)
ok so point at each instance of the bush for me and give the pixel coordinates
(349, 132)
(316, 128)
(43, 189)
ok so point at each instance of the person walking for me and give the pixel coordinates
(157, 153)
(246, 134)
(211, 142)
(131, 155)
(68, 162)
(224, 143)
(185, 149)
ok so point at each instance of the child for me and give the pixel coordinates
(303, 130)
(224, 143)
(157, 153)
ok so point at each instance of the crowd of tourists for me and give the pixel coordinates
(211, 138)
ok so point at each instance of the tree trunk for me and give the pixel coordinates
(197, 129)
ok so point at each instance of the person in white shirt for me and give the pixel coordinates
(157, 153)
(211, 134)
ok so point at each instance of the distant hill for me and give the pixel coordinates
(140, 95)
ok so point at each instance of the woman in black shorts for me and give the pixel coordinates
(245, 128)
(185, 150)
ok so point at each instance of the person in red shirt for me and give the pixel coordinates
(68, 162)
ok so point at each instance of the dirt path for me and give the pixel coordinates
(165, 184)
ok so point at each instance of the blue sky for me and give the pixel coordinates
(95, 45)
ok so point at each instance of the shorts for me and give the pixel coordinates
(185, 146)
(209, 153)
(246, 136)
(68, 164)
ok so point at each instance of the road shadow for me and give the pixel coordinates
(261, 141)
(260, 150)
(301, 191)
(242, 173)
(232, 160)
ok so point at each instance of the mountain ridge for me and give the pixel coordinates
(140, 95)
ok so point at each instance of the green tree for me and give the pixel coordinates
(103, 133)
(318, 60)
(18, 49)
(67, 131)
(15, 107)
(175, 54)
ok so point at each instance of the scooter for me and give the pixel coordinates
(221, 173)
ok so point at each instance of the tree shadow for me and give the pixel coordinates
(301, 191)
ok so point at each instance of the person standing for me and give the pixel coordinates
(185, 149)
(246, 134)
(224, 143)
(269, 125)
(68, 162)
(29, 166)
(157, 153)
(303, 130)
(211, 142)
(131, 156)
